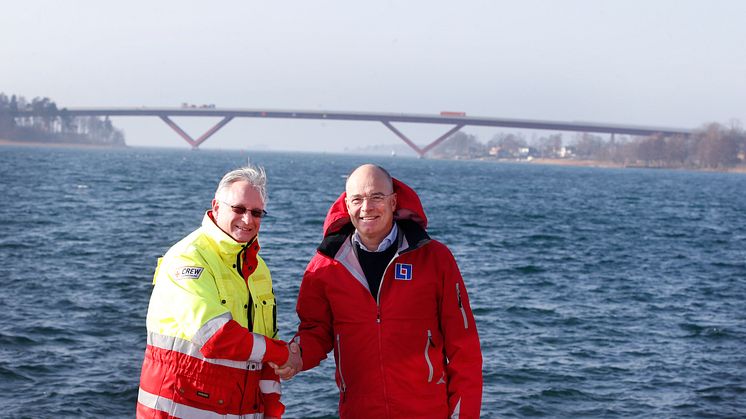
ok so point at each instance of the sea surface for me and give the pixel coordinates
(597, 292)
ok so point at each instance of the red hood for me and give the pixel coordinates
(408, 207)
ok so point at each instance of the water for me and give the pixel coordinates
(597, 292)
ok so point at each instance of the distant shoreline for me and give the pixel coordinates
(578, 163)
(4, 142)
(612, 165)
(540, 161)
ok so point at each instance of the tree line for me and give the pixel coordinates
(712, 146)
(49, 124)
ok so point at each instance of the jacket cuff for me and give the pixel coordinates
(277, 351)
(273, 406)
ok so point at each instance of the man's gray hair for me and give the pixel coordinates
(254, 175)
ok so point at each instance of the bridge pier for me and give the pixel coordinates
(422, 151)
(195, 143)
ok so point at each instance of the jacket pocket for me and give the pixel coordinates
(342, 384)
(461, 306)
(429, 344)
(200, 394)
(265, 315)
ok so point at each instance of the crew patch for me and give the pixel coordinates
(187, 272)
(403, 271)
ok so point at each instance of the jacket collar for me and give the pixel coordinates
(227, 245)
(411, 236)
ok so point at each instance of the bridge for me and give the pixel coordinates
(457, 120)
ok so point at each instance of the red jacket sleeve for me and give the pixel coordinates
(234, 342)
(315, 335)
(464, 369)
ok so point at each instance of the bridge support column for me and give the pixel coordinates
(195, 143)
(422, 151)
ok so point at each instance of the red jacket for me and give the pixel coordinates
(414, 353)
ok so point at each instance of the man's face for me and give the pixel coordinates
(239, 195)
(371, 203)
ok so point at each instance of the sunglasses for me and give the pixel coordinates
(255, 212)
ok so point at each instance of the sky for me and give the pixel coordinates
(667, 63)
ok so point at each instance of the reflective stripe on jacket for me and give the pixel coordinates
(202, 359)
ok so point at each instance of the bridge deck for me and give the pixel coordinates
(447, 118)
(379, 117)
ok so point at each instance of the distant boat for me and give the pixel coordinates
(393, 153)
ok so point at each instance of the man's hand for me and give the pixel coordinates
(292, 366)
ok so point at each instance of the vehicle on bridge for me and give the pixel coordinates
(185, 105)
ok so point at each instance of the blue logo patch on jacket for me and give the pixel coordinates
(403, 271)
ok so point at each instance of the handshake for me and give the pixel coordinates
(293, 365)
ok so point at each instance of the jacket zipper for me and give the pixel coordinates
(378, 322)
(343, 386)
(274, 319)
(427, 355)
(380, 285)
(461, 306)
(239, 268)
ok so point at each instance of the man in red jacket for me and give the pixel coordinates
(391, 303)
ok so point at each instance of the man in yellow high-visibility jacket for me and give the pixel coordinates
(212, 317)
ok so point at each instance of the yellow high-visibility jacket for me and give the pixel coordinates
(202, 357)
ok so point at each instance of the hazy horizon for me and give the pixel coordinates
(667, 63)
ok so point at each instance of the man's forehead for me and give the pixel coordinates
(368, 180)
(368, 186)
(241, 186)
(242, 191)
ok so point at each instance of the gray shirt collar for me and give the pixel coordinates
(387, 241)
